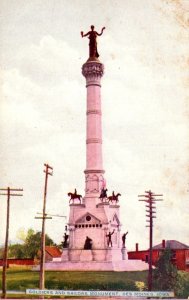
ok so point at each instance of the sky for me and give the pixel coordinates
(145, 110)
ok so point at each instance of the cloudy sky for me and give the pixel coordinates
(144, 101)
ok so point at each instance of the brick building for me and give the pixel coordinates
(52, 253)
(19, 261)
(180, 254)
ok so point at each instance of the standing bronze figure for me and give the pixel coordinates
(88, 243)
(109, 236)
(124, 238)
(65, 242)
(92, 35)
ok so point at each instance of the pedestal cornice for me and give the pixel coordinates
(93, 71)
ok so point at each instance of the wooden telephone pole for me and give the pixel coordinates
(7, 192)
(48, 171)
(150, 200)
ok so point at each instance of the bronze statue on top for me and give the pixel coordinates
(92, 35)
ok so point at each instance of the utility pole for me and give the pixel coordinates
(7, 192)
(48, 171)
(150, 200)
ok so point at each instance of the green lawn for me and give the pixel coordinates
(19, 279)
(22, 278)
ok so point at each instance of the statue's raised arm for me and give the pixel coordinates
(101, 31)
(83, 35)
(92, 35)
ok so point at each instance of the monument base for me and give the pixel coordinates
(109, 259)
(98, 255)
(119, 266)
(86, 255)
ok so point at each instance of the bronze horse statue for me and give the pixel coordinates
(103, 194)
(114, 197)
(74, 196)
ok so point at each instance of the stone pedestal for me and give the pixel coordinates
(64, 256)
(86, 255)
(124, 254)
(113, 254)
(99, 255)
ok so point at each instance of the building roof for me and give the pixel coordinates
(53, 251)
(172, 244)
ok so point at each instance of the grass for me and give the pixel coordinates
(22, 278)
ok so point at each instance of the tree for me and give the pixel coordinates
(22, 234)
(19, 250)
(166, 276)
(33, 244)
(16, 251)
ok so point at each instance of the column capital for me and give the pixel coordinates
(93, 71)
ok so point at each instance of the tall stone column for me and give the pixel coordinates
(93, 71)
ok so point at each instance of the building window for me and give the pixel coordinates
(88, 225)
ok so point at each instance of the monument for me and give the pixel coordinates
(93, 239)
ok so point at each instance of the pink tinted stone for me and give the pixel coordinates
(94, 218)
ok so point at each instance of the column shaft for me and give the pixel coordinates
(93, 71)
